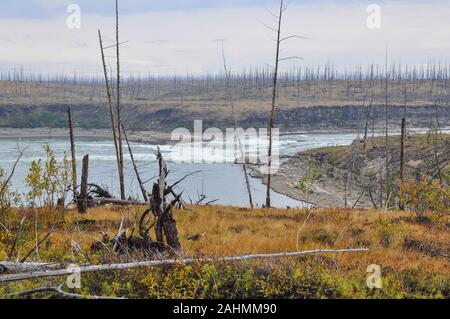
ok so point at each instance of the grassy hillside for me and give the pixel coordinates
(165, 105)
(412, 251)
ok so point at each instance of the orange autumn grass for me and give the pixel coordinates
(228, 231)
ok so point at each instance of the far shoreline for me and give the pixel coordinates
(146, 137)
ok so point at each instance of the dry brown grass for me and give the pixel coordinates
(232, 231)
(417, 269)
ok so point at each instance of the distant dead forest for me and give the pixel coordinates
(320, 97)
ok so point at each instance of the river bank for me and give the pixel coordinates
(351, 176)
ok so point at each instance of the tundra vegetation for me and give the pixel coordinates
(165, 247)
(411, 245)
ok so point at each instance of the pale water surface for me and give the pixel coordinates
(224, 182)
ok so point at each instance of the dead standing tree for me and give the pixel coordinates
(110, 102)
(74, 159)
(83, 201)
(386, 123)
(274, 97)
(119, 116)
(161, 208)
(116, 127)
(165, 222)
(138, 176)
(278, 59)
(233, 111)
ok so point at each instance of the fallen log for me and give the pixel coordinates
(10, 266)
(154, 263)
(118, 202)
(59, 292)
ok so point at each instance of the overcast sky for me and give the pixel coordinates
(179, 36)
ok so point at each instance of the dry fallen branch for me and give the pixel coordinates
(154, 263)
(16, 267)
(58, 291)
(8, 180)
(38, 244)
(118, 202)
(19, 231)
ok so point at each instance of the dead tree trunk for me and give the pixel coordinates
(274, 97)
(438, 130)
(74, 159)
(138, 177)
(110, 103)
(402, 150)
(230, 98)
(402, 157)
(83, 201)
(165, 223)
(387, 134)
(119, 116)
(367, 122)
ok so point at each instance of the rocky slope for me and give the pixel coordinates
(360, 172)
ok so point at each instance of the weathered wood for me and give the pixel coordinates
(110, 103)
(230, 99)
(273, 113)
(154, 263)
(16, 267)
(136, 171)
(119, 202)
(386, 119)
(72, 152)
(366, 130)
(8, 180)
(165, 224)
(83, 202)
(402, 150)
(18, 233)
(38, 244)
(119, 109)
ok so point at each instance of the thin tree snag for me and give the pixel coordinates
(13, 170)
(158, 197)
(74, 158)
(402, 150)
(138, 177)
(247, 183)
(18, 233)
(110, 102)
(387, 132)
(83, 201)
(402, 158)
(274, 98)
(438, 167)
(367, 122)
(230, 99)
(38, 244)
(438, 129)
(155, 263)
(119, 116)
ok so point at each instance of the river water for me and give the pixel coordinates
(222, 182)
